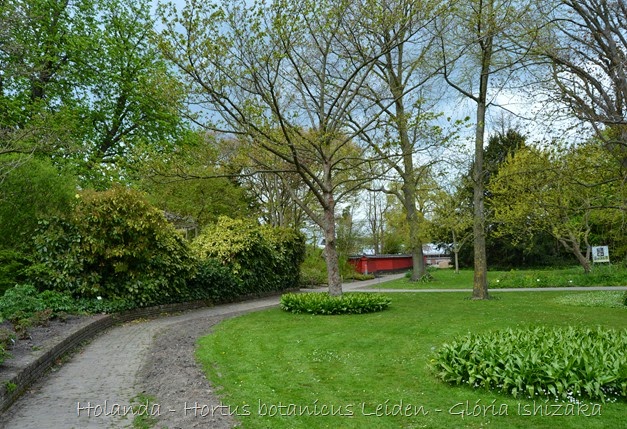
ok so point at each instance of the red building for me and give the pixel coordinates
(373, 264)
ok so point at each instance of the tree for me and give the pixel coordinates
(41, 42)
(404, 138)
(273, 193)
(452, 221)
(377, 206)
(131, 99)
(82, 81)
(557, 192)
(279, 77)
(197, 181)
(585, 45)
(501, 145)
(480, 41)
(396, 234)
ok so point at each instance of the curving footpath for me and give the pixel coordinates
(85, 391)
(106, 370)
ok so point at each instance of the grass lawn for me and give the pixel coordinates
(602, 275)
(371, 370)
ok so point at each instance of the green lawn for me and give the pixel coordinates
(602, 275)
(371, 370)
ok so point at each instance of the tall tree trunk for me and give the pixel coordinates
(415, 243)
(408, 172)
(330, 247)
(456, 252)
(480, 282)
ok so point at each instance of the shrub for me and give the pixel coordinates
(288, 247)
(24, 306)
(260, 258)
(215, 282)
(24, 302)
(34, 190)
(12, 264)
(116, 246)
(313, 270)
(625, 298)
(21, 300)
(556, 363)
(323, 303)
(425, 278)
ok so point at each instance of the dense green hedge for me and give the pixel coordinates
(215, 282)
(115, 245)
(323, 303)
(570, 363)
(33, 190)
(115, 252)
(257, 258)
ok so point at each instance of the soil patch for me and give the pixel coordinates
(173, 377)
(38, 340)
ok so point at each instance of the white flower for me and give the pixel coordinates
(98, 297)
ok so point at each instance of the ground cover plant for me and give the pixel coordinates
(602, 298)
(323, 303)
(569, 364)
(601, 275)
(282, 370)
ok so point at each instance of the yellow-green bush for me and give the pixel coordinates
(113, 245)
(258, 258)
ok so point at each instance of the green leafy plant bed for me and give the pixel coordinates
(323, 303)
(572, 363)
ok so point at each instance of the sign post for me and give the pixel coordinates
(600, 254)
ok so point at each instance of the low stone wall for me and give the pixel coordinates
(11, 389)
